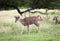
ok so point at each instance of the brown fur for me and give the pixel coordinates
(29, 20)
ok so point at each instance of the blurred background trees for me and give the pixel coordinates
(50, 4)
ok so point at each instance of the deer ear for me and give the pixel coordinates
(14, 16)
(18, 16)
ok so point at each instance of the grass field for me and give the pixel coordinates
(10, 31)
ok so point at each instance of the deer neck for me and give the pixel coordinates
(22, 21)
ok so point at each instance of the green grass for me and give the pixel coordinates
(48, 32)
(52, 33)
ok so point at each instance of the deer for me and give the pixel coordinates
(56, 20)
(29, 21)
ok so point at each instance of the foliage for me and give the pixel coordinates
(44, 3)
(51, 4)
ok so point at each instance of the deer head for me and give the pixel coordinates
(16, 18)
(55, 17)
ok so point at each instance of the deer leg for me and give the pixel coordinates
(37, 29)
(28, 28)
(22, 29)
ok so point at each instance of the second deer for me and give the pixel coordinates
(56, 20)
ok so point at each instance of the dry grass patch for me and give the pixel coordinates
(5, 29)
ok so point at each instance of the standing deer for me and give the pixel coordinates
(28, 21)
(56, 20)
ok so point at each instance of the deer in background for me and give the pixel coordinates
(28, 21)
(56, 20)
